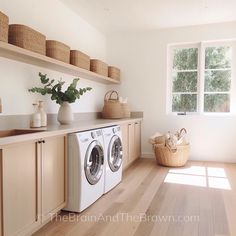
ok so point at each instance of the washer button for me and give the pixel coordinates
(93, 135)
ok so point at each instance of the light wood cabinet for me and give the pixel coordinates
(125, 144)
(131, 138)
(131, 143)
(33, 184)
(53, 176)
(137, 139)
(20, 188)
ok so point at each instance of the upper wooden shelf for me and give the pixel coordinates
(20, 54)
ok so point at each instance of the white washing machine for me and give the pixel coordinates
(113, 157)
(85, 169)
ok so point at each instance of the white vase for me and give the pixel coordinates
(65, 115)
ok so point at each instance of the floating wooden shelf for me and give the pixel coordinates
(20, 54)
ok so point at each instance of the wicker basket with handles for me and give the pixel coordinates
(167, 157)
(112, 107)
(168, 154)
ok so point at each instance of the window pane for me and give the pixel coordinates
(218, 57)
(184, 103)
(185, 59)
(185, 82)
(217, 81)
(216, 102)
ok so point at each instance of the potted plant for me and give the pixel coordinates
(63, 98)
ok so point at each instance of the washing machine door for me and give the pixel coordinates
(115, 153)
(93, 164)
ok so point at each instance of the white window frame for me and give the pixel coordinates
(201, 75)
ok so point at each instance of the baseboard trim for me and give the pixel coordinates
(147, 155)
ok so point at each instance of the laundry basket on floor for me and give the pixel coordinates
(168, 157)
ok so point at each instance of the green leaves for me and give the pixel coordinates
(55, 90)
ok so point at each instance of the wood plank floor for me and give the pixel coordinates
(199, 199)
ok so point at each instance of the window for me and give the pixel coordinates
(217, 79)
(184, 80)
(200, 77)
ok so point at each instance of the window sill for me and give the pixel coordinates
(207, 114)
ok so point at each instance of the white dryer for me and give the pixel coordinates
(113, 157)
(85, 169)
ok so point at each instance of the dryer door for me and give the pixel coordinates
(93, 164)
(115, 153)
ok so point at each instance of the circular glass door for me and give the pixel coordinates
(94, 162)
(115, 153)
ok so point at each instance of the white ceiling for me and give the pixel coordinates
(122, 15)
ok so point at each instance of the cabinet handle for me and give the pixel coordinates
(41, 141)
(136, 123)
(129, 124)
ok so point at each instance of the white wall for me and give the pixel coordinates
(58, 22)
(143, 59)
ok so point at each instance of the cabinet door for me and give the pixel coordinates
(53, 176)
(20, 195)
(131, 142)
(137, 139)
(125, 145)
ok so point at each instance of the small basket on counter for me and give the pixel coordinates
(4, 21)
(27, 38)
(58, 51)
(113, 108)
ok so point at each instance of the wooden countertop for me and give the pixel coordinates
(53, 130)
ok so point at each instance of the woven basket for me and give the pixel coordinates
(112, 107)
(99, 67)
(58, 51)
(166, 157)
(79, 59)
(114, 73)
(4, 21)
(125, 110)
(25, 37)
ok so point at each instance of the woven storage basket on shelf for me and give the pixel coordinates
(58, 51)
(27, 38)
(114, 73)
(4, 21)
(99, 67)
(166, 157)
(112, 106)
(79, 59)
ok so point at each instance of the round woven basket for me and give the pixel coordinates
(166, 157)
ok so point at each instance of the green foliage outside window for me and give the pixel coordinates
(216, 103)
(185, 59)
(217, 81)
(185, 82)
(217, 57)
(184, 103)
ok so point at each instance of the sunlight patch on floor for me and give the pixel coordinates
(209, 177)
(186, 179)
(193, 170)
